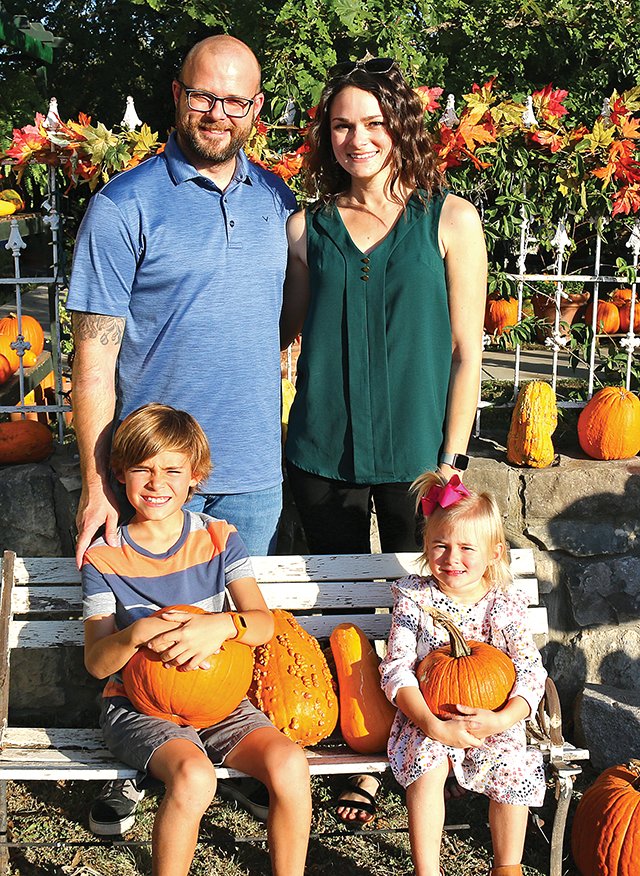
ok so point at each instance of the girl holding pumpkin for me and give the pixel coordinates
(469, 580)
(386, 281)
(168, 556)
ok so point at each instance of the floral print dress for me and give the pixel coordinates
(504, 768)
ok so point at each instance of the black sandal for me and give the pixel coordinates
(367, 804)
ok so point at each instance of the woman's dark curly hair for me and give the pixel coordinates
(415, 162)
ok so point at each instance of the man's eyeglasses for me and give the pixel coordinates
(204, 102)
(372, 65)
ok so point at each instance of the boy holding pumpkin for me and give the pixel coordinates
(165, 556)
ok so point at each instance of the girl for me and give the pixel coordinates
(469, 579)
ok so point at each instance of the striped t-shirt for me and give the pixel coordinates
(130, 582)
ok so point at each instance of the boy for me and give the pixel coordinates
(167, 556)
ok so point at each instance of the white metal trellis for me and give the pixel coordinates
(15, 243)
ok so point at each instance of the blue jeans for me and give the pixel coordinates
(255, 515)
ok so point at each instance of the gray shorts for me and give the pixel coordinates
(133, 737)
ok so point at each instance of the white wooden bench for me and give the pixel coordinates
(41, 607)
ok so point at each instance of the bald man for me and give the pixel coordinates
(176, 294)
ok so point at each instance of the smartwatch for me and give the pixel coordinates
(240, 624)
(459, 461)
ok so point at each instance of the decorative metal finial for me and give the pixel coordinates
(561, 239)
(556, 341)
(605, 114)
(52, 121)
(634, 238)
(528, 116)
(15, 242)
(449, 117)
(630, 343)
(130, 120)
(289, 113)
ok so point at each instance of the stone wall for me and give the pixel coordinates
(581, 517)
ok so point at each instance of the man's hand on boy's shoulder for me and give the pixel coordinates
(194, 638)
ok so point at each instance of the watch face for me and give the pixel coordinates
(460, 461)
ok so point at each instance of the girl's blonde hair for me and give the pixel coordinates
(478, 509)
(153, 428)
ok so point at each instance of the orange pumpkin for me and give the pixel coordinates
(609, 424)
(24, 441)
(5, 369)
(32, 331)
(292, 683)
(606, 826)
(621, 296)
(500, 313)
(625, 316)
(608, 318)
(199, 698)
(464, 672)
(366, 715)
(29, 359)
(9, 353)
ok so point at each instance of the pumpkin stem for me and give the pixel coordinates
(457, 642)
(634, 767)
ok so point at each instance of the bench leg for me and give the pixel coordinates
(564, 787)
(4, 851)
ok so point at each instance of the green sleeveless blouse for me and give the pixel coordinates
(373, 372)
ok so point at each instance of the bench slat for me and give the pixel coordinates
(342, 595)
(63, 570)
(45, 634)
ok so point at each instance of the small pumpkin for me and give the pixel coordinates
(12, 197)
(607, 319)
(200, 698)
(32, 331)
(6, 370)
(625, 316)
(9, 353)
(292, 683)
(464, 672)
(533, 422)
(620, 297)
(606, 826)
(29, 359)
(24, 441)
(500, 313)
(366, 715)
(609, 424)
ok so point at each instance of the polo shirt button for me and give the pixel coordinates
(366, 269)
(231, 224)
(365, 277)
(366, 260)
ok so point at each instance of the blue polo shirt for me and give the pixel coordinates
(198, 275)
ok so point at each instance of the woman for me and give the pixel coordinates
(387, 284)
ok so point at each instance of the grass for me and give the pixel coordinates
(47, 812)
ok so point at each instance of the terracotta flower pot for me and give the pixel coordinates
(545, 308)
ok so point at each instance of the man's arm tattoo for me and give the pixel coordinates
(108, 329)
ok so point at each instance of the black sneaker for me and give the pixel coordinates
(114, 809)
(248, 793)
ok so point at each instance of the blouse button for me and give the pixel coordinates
(366, 260)
(365, 277)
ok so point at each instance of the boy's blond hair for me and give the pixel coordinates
(153, 428)
(480, 510)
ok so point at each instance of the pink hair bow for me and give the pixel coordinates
(443, 496)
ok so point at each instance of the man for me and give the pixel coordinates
(176, 293)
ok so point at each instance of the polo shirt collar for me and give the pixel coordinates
(181, 170)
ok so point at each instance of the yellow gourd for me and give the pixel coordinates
(534, 420)
(7, 208)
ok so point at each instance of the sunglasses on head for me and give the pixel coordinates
(373, 65)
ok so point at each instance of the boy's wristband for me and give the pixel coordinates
(240, 624)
